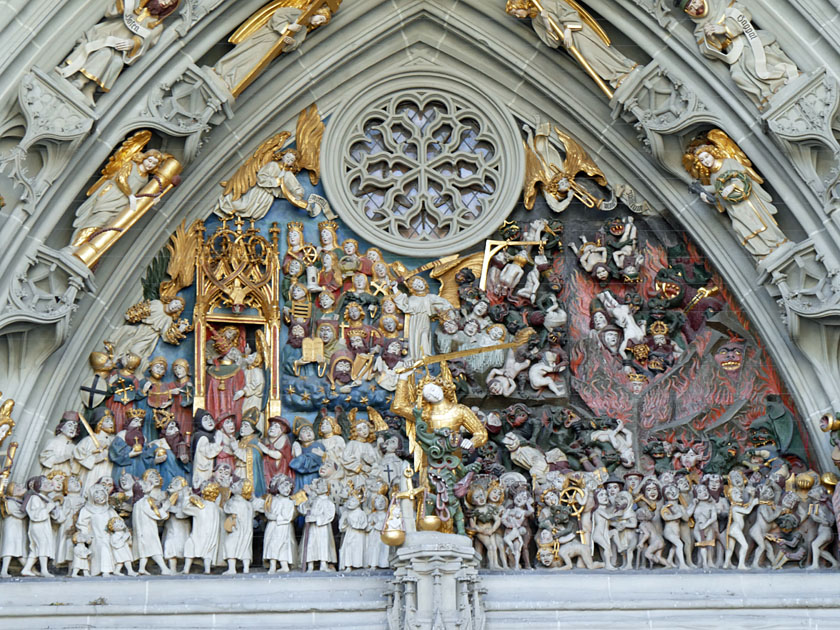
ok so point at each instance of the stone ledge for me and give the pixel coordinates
(663, 599)
(317, 601)
(553, 600)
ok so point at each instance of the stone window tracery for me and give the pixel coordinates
(425, 166)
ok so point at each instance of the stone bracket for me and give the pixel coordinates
(662, 109)
(57, 121)
(190, 106)
(800, 120)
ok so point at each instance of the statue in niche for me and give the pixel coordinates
(565, 23)
(128, 170)
(726, 179)
(278, 27)
(126, 33)
(271, 173)
(725, 32)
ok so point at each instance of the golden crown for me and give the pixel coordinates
(659, 328)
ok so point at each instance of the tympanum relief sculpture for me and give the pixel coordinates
(581, 390)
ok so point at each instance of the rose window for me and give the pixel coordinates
(428, 168)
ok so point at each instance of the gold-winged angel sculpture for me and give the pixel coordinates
(556, 175)
(725, 178)
(271, 173)
(131, 183)
(278, 27)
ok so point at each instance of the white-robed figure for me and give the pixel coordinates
(203, 541)
(252, 392)
(279, 541)
(93, 519)
(727, 180)
(580, 31)
(145, 516)
(13, 539)
(58, 453)
(37, 505)
(129, 29)
(421, 305)
(92, 458)
(275, 180)
(354, 525)
(111, 196)
(725, 32)
(148, 323)
(121, 549)
(177, 528)
(360, 455)
(258, 36)
(65, 515)
(376, 551)
(239, 526)
(318, 545)
(205, 448)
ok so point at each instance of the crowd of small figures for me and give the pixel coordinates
(325, 503)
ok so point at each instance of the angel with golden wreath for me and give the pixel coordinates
(726, 179)
(271, 173)
(278, 27)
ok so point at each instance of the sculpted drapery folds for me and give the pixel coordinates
(565, 23)
(725, 178)
(279, 27)
(725, 32)
(129, 29)
(130, 184)
(158, 316)
(271, 172)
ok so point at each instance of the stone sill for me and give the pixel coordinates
(538, 600)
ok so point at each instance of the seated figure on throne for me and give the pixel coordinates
(225, 376)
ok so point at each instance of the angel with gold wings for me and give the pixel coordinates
(278, 27)
(556, 175)
(127, 171)
(158, 316)
(272, 173)
(565, 23)
(726, 179)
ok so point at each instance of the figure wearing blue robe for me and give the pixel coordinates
(120, 450)
(249, 463)
(171, 467)
(306, 463)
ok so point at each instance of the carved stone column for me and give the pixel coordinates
(436, 584)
